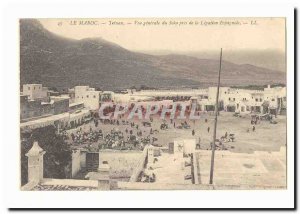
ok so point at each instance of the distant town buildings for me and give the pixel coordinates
(269, 100)
(36, 102)
(39, 107)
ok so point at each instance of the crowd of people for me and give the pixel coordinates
(134, 136)
(124, 134)
(86, 137)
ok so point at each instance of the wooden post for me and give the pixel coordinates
(211, 177)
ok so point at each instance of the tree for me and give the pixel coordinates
(58, 155)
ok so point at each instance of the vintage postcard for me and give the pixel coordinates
(153, 104)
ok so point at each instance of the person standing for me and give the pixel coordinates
(193, 132)
(208, 129)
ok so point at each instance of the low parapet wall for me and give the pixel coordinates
(156, 186)
(195, 169)
(140, 167)
(122, 163)
(227, 153)
(29, 186)
(70, 182)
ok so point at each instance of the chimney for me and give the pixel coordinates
(35, 163)
(104, 168)
(104, 179)
(102, 176)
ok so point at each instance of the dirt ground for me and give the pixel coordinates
(266, 137)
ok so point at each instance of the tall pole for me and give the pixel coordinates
(211, 177)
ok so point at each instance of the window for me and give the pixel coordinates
(87, 96)
(256, 99)
(233, 99)
(94, 96)
(229, 98)
(273, 99)
(260, 99)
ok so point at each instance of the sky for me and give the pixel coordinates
(177, 34)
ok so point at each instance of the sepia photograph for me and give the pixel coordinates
(117, 104)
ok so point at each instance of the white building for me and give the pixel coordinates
(269, 100)
(89, 96)
(35, 91)
(275, 98)
(243, 101)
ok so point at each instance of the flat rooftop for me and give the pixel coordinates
(259, 168)
(170, 169)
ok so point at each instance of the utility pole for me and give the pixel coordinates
(211, 177)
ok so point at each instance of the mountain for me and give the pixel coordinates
(61, 62)
(273, 59)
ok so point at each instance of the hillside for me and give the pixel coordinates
(62, 62)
